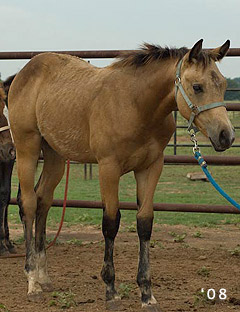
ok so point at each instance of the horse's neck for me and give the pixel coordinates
(156, 88)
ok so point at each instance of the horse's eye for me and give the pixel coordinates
(197, 88)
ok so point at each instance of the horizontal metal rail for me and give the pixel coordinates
(233, 89)
(157, 206)
(84, 54)
(190, 160)
(211, 160)
(199, 145)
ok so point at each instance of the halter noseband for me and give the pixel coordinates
(196, 110)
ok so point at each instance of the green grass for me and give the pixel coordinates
(64, 300)
(173, 187)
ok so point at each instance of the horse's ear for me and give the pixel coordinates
(195, 51)
(219, 53)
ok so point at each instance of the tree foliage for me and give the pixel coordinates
(233, 95)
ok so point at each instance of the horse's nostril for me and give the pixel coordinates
(225, 139)
(12, 152)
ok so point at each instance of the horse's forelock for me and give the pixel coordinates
(204, 58)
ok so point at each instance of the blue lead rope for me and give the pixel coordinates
(203, 165)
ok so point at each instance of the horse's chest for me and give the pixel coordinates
(142, 157)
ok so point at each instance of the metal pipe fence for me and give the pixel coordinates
(157, 206)
(169, 159)
(89, 54)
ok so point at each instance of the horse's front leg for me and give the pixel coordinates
(146, 183)
(8, 178)
(3, 249)
(5, 191)
(109, 175)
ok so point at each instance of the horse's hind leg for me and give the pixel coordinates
(109, 175)
(28, 151)
(52, 173)
(146, 183)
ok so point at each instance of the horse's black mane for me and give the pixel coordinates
(6, 86)
(149, 53)
(7, 82)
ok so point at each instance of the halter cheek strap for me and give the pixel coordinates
(4, 128)
(196, 110)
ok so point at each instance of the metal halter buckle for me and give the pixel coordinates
(177, 80)
(194, 140)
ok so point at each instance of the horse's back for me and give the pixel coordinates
(45, 68)
(84, 113)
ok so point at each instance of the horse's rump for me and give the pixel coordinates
(52, 95)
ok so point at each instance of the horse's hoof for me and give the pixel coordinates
(48, 287)
(114, 305)
(152, 308)
(12, 249)
(36, 297)
(3, 251)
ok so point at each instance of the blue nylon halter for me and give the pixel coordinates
(196, 110)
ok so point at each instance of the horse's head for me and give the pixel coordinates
(203, 84)
(7, 149)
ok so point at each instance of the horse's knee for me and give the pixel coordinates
(44, 202)
(28, 207)
(110, 226)
(144, 228)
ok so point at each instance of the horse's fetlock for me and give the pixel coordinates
(146, 296)
(108, 273)
(111, 293)
(143, 281)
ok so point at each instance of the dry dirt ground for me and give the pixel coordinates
(202, 259)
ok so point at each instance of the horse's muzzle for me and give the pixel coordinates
(7, 152)
(223, 141)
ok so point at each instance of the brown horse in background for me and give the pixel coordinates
(7, 149)
(7, 157)
(120, 117)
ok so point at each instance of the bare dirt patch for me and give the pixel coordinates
(202, 258)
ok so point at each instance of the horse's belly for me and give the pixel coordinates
(70, 145)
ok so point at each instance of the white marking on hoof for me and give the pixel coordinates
(41, 263)
(33, 285)
(150, 302)
(117, 297)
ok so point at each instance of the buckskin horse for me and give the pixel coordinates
(120, 117)
(7, 156)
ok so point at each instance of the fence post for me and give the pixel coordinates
(175, 135)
